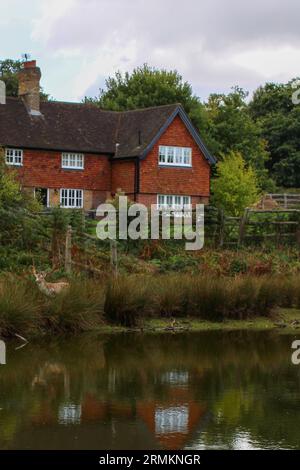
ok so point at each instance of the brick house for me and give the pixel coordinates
(78, 155)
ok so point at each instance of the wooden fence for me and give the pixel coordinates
(254, 227)
(286, 200)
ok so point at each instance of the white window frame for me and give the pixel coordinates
(72, 161)
(173, 201)
(14, 157)
(174, 156)
(70, 197)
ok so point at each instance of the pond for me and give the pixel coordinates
(229, 390)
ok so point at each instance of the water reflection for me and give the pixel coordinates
(194, 390)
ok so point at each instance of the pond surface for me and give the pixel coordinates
(232, 390)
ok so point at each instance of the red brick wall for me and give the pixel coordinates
(123, 176)
(193, 181)
(43, 169)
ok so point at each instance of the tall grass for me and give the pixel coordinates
(25, 310)
(128, 301)
(78, 309)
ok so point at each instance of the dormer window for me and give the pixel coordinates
(14, 157)
(72, 161)
(175, 156)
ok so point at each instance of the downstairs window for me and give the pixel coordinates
(71, 198)
(172, 201)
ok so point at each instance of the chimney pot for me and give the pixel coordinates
(29, 86)
(29, 64)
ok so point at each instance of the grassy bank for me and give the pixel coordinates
(135, 300)
(283, 320)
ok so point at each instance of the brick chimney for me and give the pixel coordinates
(29, 86)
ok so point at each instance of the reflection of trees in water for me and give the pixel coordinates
(244, 379)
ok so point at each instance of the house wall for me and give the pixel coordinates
(101, 176)
(43, 169)
(123, 177)
(155, 179)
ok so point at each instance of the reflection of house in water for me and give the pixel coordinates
(167, 422)
(171, 420)
(69, 413)
(174, 418)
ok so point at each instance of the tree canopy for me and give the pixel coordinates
(264, 131)
(235, 186)
(273, 110)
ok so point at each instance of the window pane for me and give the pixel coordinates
(187, 156)
(162, 154)
(169, 200)
(170, 154)
(178, 155)
(161, 200)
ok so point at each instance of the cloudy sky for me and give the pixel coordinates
(214, 44)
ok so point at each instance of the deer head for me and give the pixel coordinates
(41, 276)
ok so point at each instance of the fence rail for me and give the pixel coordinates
(286, 200)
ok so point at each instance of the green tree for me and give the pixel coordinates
(273, 110)
(231, 128)
(9, 75)
(10, 194)
(145, 87)
(235, 186)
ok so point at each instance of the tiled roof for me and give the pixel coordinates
(85, 128)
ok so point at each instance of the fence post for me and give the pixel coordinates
(68, 248)
(243, 222)
(114, 257)
(285, 200)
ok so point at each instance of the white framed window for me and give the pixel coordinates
(73, 161)
(172, 201)
(14, 157)
(71, 198)
(175, 156)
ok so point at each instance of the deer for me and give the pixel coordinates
(49, 288)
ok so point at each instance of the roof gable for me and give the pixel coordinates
(179, 111)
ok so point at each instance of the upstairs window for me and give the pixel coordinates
(71, 198)
(14, 157)
(73, 161)
(171, 201)
(175, 156)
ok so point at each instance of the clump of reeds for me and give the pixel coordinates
(20, 307)
(77, 309)
(127, 300)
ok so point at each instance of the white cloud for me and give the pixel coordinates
(213, 43)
